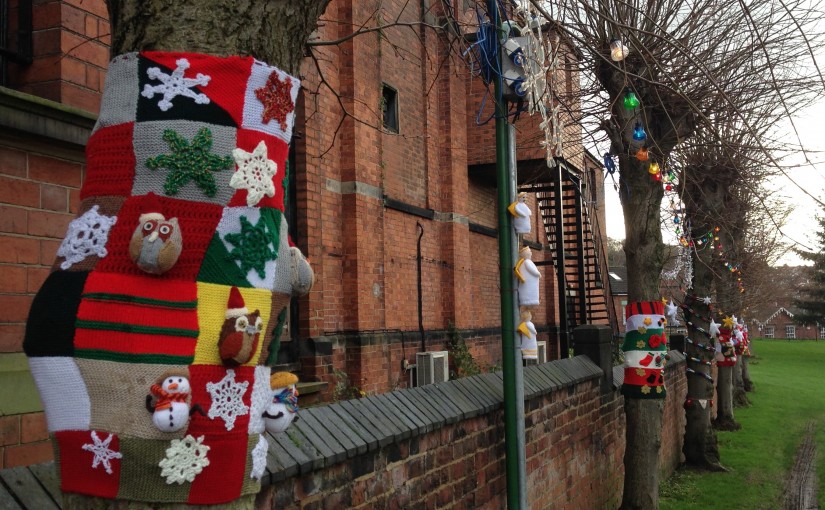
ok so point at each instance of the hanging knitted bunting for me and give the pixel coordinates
(645, 347)
(174, 273)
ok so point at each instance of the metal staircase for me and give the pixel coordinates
(576, 253)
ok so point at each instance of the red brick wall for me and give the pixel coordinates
(575, 441)
(71, 53)
(39, 196)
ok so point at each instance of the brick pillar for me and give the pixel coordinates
(595, 342)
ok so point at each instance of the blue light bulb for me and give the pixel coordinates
(639, 132)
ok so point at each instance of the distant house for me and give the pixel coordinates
(782, 324)
(618, 289)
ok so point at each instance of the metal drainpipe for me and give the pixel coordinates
(420, 293)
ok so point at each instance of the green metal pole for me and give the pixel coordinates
(506, 281)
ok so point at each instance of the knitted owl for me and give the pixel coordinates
(181, 233)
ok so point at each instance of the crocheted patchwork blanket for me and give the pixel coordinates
(150, 341)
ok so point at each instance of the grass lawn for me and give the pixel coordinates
(790, 392)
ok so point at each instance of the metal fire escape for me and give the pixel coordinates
(575, 251)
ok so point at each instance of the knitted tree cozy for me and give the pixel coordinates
(645, 348)
(150, 340)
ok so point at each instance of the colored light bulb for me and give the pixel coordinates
(653, 169)
(630, 100)
(642, 154)
(618, 51)
(639, 132)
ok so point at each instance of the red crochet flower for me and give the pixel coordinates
(656, 341)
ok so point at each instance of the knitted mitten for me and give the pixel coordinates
(150, 340)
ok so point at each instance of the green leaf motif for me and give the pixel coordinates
(187, 162)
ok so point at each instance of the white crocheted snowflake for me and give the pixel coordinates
(87, 235)
(227, 399)
(103, 454)
(185, 459)
(259, 458)
(254, 174)
(260, 398)
(175, 84)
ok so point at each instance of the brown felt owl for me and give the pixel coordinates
(156, 243)
(240, 333)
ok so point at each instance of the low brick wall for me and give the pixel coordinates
(443, 445)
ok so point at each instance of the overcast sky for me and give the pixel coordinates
(802, 224)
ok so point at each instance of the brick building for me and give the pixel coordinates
(782, 324)
(365, 197)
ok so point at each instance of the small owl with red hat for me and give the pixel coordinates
(156, 243)
(240, 333)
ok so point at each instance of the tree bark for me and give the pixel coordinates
(746, 375)
(275, 31)
(641, 456)
(700, 446)
(724, 400)
(740, 398)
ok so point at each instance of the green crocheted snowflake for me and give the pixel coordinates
(252, 246)
(187, 162)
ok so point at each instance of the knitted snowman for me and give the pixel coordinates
(181, 234)
(283, 407)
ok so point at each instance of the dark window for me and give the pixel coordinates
(389, 108)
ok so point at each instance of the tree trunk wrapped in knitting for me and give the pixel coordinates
(150, 341)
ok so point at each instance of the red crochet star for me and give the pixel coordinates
(277, 99)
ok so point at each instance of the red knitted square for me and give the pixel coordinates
(79, 473)
(110, 162)
(137, 318)
(228, 77)
(277, 151)
(197, 222)
(222, 479)
(226, 405)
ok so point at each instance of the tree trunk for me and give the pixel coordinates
(700, 446)
(641, 456)
(740, 398)
(746, 375)
(724, 401)
(275, 32)
(644, 251)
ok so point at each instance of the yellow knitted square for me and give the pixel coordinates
(212, 305)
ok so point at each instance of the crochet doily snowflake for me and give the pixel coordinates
(227, 399)
(254, 174)
(185, 459)
(103, 454)
(259, 458)
(87, 235)
(175, 84)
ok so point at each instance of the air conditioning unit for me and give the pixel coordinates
(432, 367)
(542, 350)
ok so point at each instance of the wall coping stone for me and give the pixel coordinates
(329, 434)
(41, 117)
